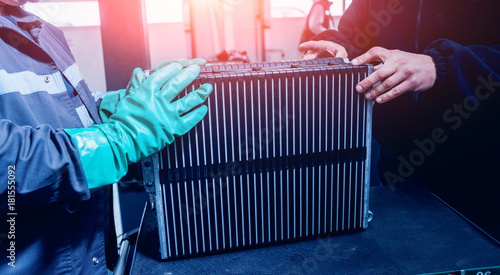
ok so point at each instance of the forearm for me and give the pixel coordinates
(465, 71)
(46, 165)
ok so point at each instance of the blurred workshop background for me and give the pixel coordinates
(266, 30)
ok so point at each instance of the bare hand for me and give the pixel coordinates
(318, 49)
(399, 73)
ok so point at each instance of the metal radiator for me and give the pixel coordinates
(282, 155)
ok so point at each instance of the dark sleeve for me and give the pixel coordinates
(42, 163)
(466, 71)
(353, 20)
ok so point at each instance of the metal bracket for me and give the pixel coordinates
(150, 171)
(370, 216)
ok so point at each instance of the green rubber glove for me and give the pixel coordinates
(111, 99)
(145, 121)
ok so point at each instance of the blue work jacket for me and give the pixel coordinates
(52, 223)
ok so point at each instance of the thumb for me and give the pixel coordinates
(137, 79)
(373, 54)
(309, 55)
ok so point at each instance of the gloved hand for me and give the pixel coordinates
(145, 121)
(111, 99)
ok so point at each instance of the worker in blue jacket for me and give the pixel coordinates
(59, 150)
(436, 113)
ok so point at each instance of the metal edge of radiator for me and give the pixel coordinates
(366, 209)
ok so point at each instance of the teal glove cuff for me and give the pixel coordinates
(99, 163)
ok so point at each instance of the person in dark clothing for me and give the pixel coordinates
(437, 111)
(319, 19)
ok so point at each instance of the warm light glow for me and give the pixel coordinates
(290, 8)
(67, 14)
(301, 8)
(162, 11)
(86, 13)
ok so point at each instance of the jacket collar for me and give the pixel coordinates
(21, 16)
